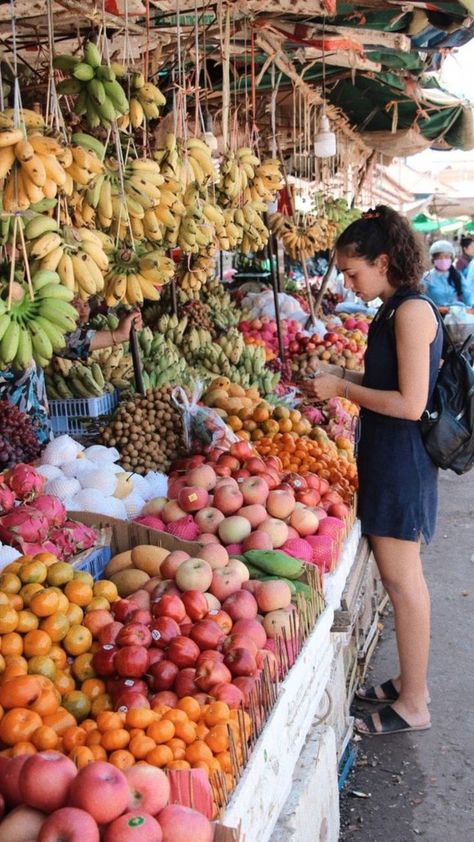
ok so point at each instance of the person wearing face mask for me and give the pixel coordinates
(443, 283)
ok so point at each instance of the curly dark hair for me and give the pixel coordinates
(383, 231)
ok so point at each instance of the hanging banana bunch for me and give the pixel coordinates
(302, 241)
(34, 168)
(87, 154)
(145, 102)
(97, 94)
(267, 183)
(135, 275)
(194, 274)
(31, 120)
(187, 161)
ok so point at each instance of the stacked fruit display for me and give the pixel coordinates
(264, 331)
(338, 346)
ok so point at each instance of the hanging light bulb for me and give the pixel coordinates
(325, 140)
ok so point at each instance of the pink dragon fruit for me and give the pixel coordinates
(72, 538)
(45, 547)
(23, 525)
(25, 482)
(298, 548)
(7, 499)
(151, 521)
(184, 528)
(52, 508)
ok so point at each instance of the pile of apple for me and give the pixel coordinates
(47, 799)
(205, 631)
(264, 331)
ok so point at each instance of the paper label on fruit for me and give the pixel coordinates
(129, 682)
(123, 709)
(213, 611)
(136, 821)
(106, 646)
(156, 634)
(192, 498)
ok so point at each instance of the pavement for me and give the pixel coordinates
(420, 786)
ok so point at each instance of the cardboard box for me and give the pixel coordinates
(124, 534)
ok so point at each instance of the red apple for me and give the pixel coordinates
(241, 605)
(210, 672)
(162, 675)
(175, 484)
(128, 700)
(169, 566)
(45, 779)
(255, 465)
(296, 482)
(241, 568)
(210, 655)
(239, 641)
(123, 608)
(240, 661)
(22, 824)
(221, 618)
(183, 652)
(134, 634)
(230, 694)
(241, 450)
(97, 620)
(172, 512)
(141, 598)
(141, 615)
(163, 630)
(101, 790)
(241, 474)
(310, 497)
(304, 521)
(253, 629)
(103, 661)
(254, 491)
(108, 634)
(204, 476)
(272, 595)
(247, 686)
(131, 661)
(227, 499)
(266, 657)
(165, 586)
(193, 498)
(230, 461)
(257, 541)
(164, 697)
(222, 470)
(69, 825)
(276, 529)
(272, 479)
(213, 604)
(208, 519)
(215, 554)
(207, 634)
(255, 514)
(185, 682)
(135, 826)
(280, 504)
(169, 605)
(183, 824)
(117, 686)
(154, 656)
(208, 538)
(234, 529)
(224, 582)
(195, 603)
(195, 574)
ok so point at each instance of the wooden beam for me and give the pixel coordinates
(340, 59)
(373, 37)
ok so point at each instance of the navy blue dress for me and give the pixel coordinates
(398, 494)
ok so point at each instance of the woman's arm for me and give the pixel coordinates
(106, 338)
(415, 329)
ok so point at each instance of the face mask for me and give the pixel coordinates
(443, 263)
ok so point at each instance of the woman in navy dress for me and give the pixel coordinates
(380, 258)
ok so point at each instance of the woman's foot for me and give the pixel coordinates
(389, 720)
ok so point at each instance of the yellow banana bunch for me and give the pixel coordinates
(33, 168)
(194, 275)
(137, 275)
(145, 102)
(31, 120)
(189, 162)
(267, 183)
(302, 241)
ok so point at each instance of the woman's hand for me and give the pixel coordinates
(324, 387)
(133, 319)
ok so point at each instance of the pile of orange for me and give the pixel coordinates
(267, 421)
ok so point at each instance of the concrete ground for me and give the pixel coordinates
(421, 785)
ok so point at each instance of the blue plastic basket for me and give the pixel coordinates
(72, 415)
(93, 561)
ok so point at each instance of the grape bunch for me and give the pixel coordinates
(18, 442)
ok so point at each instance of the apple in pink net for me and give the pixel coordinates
(228, 499)
(171, 512)
(257, 540)
(135, 826)
(45, 779)
(149, 788)
(277, 531)
(280, 504)
(169, 566)
(224, 582)
(208, 519)
(69, 824)
(204, 476)
(193, 498)
(183, 824)
(254, 491)
(304, 521)
(215, 554)
(234, 529)
(195, 574)
(241, 605)
(101, 790)
(255, 514)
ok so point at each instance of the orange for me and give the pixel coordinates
(10, 583)
(12, 644)
(2, 664)
(191, 707)
(160, 756)
(75, 614)
(18, 724)
(44, 602)
(198, 750)
(97, 603)
(44, 738)
(122, 759)
(13, 670)
(73, 737)
(161, 731)
(8, 619)
(216, 713)
(178, 764)
(140, 746)
(140, 718)
(225, 761)
(28, 591)
(175, 715)
(23, 747)
(83, 576)
(58, 655)
(178, 748)
(110, 720)
(21, 691)
(89, 725)
(98, 752)
(79, 593)
(42, 665)
(93, 687)
(185, 731)
(59, 573)
(217, 739)
(60, 720)
(201, 730)
(64, 682)
(77, 703)
(102, 703)
(94, 738)
(27, 621)
(33, 571)
(78, 640)
(13, 567)
(81, 756)
(82, 667)
(105, 588)
(48, 701)
(56, 625)
(46, 558)
(63, 603)
(115, 739)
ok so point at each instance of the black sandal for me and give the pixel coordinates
(388, 688)
(391, 722)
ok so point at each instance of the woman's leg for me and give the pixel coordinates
(400, 567)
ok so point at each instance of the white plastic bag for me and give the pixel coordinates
(202, 425)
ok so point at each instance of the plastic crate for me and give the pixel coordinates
(71, 415)
(93, 561)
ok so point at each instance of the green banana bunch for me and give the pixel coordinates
(98, 95)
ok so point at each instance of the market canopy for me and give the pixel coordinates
(425, 225)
